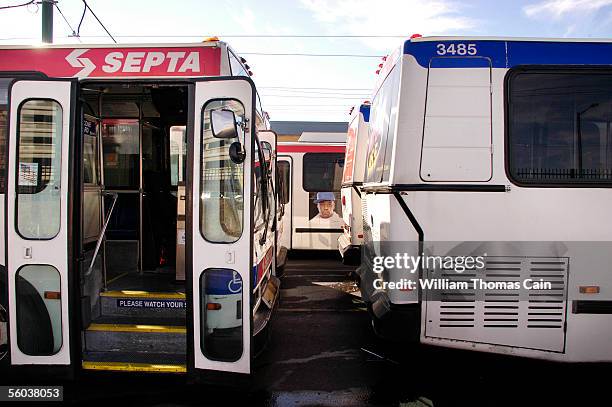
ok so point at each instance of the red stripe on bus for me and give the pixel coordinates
(112, 62)
(310, 149)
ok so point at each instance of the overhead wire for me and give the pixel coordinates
(18, 5)
(100, 22)
(257, 36)
(74, 34)
(304, 92)
(312, 97)
(276, 54)
(308, 88)
(78, 33)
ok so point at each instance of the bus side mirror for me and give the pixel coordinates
(237, 153)
(223, 124)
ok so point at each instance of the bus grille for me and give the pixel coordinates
(512, 317)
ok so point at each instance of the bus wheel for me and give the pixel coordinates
(35, 333)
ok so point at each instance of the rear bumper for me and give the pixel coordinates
(393, 322)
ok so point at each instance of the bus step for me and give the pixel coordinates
(139, 338)
(143, 303)
(134, 362)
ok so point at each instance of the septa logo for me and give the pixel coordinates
(134, 62)
(76, 62)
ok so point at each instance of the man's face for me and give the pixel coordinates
(326, 208)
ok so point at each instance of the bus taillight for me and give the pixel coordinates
(213, 306)
(53, 295)
(589, 289)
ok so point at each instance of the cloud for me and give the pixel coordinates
(558, 9)
(389, 17)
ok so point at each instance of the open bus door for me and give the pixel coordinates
(220, 233)
(40, 210)
(284, 166)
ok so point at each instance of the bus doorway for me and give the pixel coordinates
(133, 229)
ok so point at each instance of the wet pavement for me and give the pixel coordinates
(322, 352)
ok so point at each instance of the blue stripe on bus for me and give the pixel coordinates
(507, 54)
(365, 111)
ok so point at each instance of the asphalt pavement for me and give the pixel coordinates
(322, 352)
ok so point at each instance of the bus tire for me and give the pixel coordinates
(35, 333)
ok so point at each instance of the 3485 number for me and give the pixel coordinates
(456, 49)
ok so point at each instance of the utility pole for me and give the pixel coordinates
(47, 20)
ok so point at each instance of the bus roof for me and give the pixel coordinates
(115, 60)
(508, 52)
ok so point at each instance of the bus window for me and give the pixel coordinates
(221, 180)
(322, 172)
(221, 310)
(39, 314)
(90, 151)
(178, 154)
(559, 127)
(258, 215)
(4, 84)
(237, 68)
(121, 155)
(283, 181)
(39, 174)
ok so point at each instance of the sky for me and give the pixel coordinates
(311, 88)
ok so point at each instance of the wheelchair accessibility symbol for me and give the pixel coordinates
(235, 284)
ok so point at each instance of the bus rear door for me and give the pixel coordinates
(220, 241)
(40, 209)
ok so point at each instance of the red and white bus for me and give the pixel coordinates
(138, 209)
(309, 179)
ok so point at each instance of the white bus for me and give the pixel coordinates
(310, 176)
(350, 241)
(138, 213)
(499, 149)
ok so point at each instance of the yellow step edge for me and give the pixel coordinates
(134, 367)
(143, 294)
(140, 328)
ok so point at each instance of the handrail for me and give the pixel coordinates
(115, 195)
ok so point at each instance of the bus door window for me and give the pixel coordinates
(39, 162)
(221, 312)
(221, 181)
(121, 166)
(39, 313)
(91, 179)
